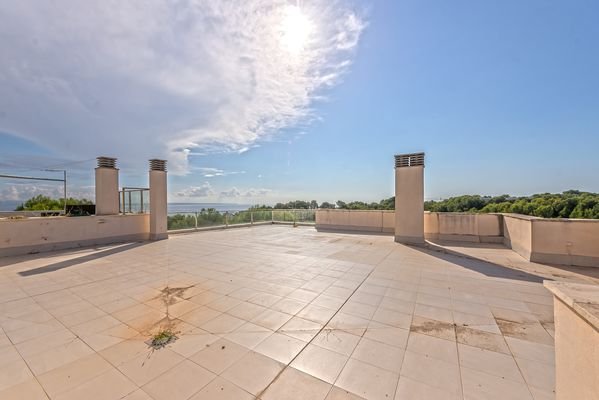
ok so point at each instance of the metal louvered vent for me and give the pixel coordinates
(106, 162)
(409, 160)
(157, 165)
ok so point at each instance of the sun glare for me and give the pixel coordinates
(296, 29)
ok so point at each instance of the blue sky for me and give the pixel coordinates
(502, 96)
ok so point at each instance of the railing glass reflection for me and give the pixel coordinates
(213, 218)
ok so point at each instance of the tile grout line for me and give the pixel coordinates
(23, 358)
(457, 347)
(408, 339)
(263, 391)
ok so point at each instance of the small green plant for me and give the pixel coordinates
(162, 338)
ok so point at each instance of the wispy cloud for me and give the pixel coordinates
(213, 172)
(249, 193)
(205, 190)
(170, 79)
(19, 192)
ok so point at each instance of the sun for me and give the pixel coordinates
(296, 29)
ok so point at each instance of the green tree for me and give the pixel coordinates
(41, 203)
(326, 204)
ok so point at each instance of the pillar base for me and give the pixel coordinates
(158, 236)
(413, 240)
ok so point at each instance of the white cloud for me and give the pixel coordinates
(155, 78)
(249, 193)
(231, 193)
(212, 172)
(19, 192)
(205, 190)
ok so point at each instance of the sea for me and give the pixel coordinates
(196, 207)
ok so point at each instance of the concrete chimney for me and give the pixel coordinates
(107, 186)
(409, 198)
(158, 205)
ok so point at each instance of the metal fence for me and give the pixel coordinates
(213, 218)
(134, 200)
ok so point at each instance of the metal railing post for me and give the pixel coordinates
(123, 201)
(141, 200)
(272, 216)
(196, 218)
(251, 218)
(226, 219)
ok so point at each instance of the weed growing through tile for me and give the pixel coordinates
(162, 338)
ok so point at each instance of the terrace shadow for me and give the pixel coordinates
(481, 266)
(78, 260)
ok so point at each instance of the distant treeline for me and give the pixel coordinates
(385, 204)
(569, 204)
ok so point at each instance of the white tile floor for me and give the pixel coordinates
(276, 313)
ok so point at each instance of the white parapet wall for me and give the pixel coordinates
(552, 241)
(33, 235)
(517, 233)
(565, 241)
(380, 221)
(463, 227)
(576, 314)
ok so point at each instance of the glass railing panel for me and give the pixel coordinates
(208, 218)
(262, 215)
(181, 221)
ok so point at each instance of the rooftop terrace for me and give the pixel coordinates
(275, 312)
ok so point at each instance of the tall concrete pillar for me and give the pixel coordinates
(409, 198)
(158, 206)
(107, 186)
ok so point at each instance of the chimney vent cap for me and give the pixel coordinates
(409, 160)
(157, 165)
(106, 162)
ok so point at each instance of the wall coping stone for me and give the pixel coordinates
(582, 298)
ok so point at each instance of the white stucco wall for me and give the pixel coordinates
(356, 220)
(22, 236)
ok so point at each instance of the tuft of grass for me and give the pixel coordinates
(163, 338)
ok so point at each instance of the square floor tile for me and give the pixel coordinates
(296, 385)
(300, 328)
(280, 347)
(367, 381)
(222, 389)
(179, 383)
(413, 390)
(397, 337)
(223, 324)
(441, 349)
(319, 362)
(493, 363)
(337, 340)
(271, 319)
(479, 385)
(432, 372)
(337, 393)
(71, 375)
(484, 340)
(379, 354)
(146, 367)
(253, 372)
(111, 385)
(27, 390)
(219, 355)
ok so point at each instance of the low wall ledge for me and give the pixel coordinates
(584, 299)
